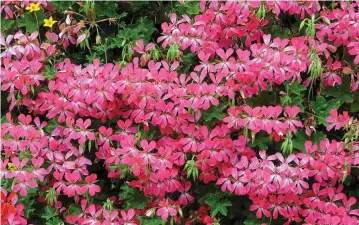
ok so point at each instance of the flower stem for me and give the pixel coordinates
(38, 27)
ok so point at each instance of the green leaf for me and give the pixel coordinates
(214, 112)
(218, 205)
(55, 221)
(150, 220)
(187, 63)
(143, 29)
(264, 98)
(106, 9)
(252, 220)
(260, 142)
(49, 213)
(51, 126)
(32, 21)
(61, 6)
(74, 210)
(322, 107)
(189, 7)
(3, 120)
(354, 107)
(280, 32)
(295, 88)
(7, 25)
(133, 198)
(301, 137)
(50, 72)
(191, 169)
(341, 92)
(217, 201)
(137, 5)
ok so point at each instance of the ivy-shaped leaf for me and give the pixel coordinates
(51, 126)
(55, 221)
(341, 92)
(260, 142)
(3, 120)
(301, 138)
(296, 88)
(133, 198)
(106, 9)
(61, 6)
(252, 220)
(74, 210)
(143, 29)
(294, 95)
(189, 8)
(150, 220)
(218, 205)
(32, 21)
(214, 112)
(7, 25)
(322, 107)
(48, 213)
(217, 201)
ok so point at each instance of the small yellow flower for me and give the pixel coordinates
(49, 22)
(11, 167)
(33, 7)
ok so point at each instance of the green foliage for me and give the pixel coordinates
(187, 63)
(143, 29)
(55, 221)
(74, 210)
(137, 5)
(261, 11)
(50, 72)
(32, 21)
(61, 6)
(173, 52)
(29, 203)
(51, 126)
(51, 196)
(252, 220)
(125, 169)
(214, 112)
(354, 107)
(294, 95)
(133, 198)
(49, 213)
(216, 200)
(301, 138)
(218, 204)
(340, 92)
(191, 169)
(280, 32)
(150, 220)
(6, 25)
(3, 120)
(106, 9)
(189, 8)
(261, 143)
(321, 107)
(287, 145)
(310, 26)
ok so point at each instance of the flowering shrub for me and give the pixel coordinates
(221, 112)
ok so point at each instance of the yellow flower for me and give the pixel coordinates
(33, 7)
(49, 22)
(11, 167)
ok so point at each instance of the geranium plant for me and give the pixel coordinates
(208, 112)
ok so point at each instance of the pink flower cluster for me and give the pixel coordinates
(264, 118)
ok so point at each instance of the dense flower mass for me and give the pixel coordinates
(239, 102)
